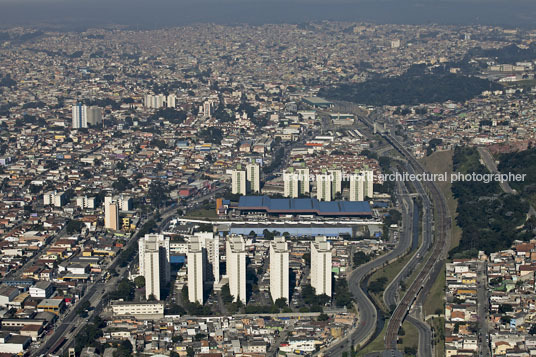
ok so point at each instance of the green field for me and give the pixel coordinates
(410, 338)
(440, 162)
(202, 213)
(377, 345)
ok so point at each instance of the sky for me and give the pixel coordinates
(73, 14)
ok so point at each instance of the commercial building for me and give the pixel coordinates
(321, 266)
(302, 206)
(236, 267)
(13, 344)
(142, 310)
(196, 271)
(55, 306)
(154, 263)
(42, 289)
(279, 269)
(317, 102)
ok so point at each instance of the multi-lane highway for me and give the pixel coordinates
(412, 230)
(435, 260)
(390, 293)
(367, 313)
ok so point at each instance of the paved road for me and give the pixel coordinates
(412, 231)
(390, 294)
(490, 164)
(425, 332)
(97, 290)
(489, 161)
(439, 249)
(483, 309)
(425, 336)
(367, 311)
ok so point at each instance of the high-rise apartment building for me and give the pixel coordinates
(369, 183)
(79, 113)
(253, 178)
(239, 181)
(211, 244)
(361, 185)
(336, 182)
(158, 101)
(196, 265)
(207, 108)
(111, 214)
(55, 198)
(296, 182)
(357, 187)
(236, 267)
(323, 187)
(154, 263)
(83, 115)
(321, 266)
(279, 269)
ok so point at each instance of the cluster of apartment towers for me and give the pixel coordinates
(203, 265)
(297, 182)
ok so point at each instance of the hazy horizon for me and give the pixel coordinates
(70, 14)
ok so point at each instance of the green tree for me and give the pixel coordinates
(323, 317)
(226, 294)
(74, 226)
(281, 303)
(140, 281)
(122, 184)
(124, 349)
(190, 351)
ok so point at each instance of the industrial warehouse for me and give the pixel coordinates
(302, 206)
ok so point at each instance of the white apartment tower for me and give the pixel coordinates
(279, 269)
(336, 183)
(159, 101)
(211, 244)
(323, 187)
(207, 108)
(357, 187)
(361, 185)
(236, 267)
(55, 198)
(291, 184)
(239, 181)
(83, 115)
(296, 182)
(321, 266)
(79, 113)
(369, 183)
(253, 178)
(85, 202)
(111, 214)
(154, 263)
(196, 271)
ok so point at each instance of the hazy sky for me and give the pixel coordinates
(162, 13)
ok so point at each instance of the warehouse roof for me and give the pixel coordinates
(304, 206)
